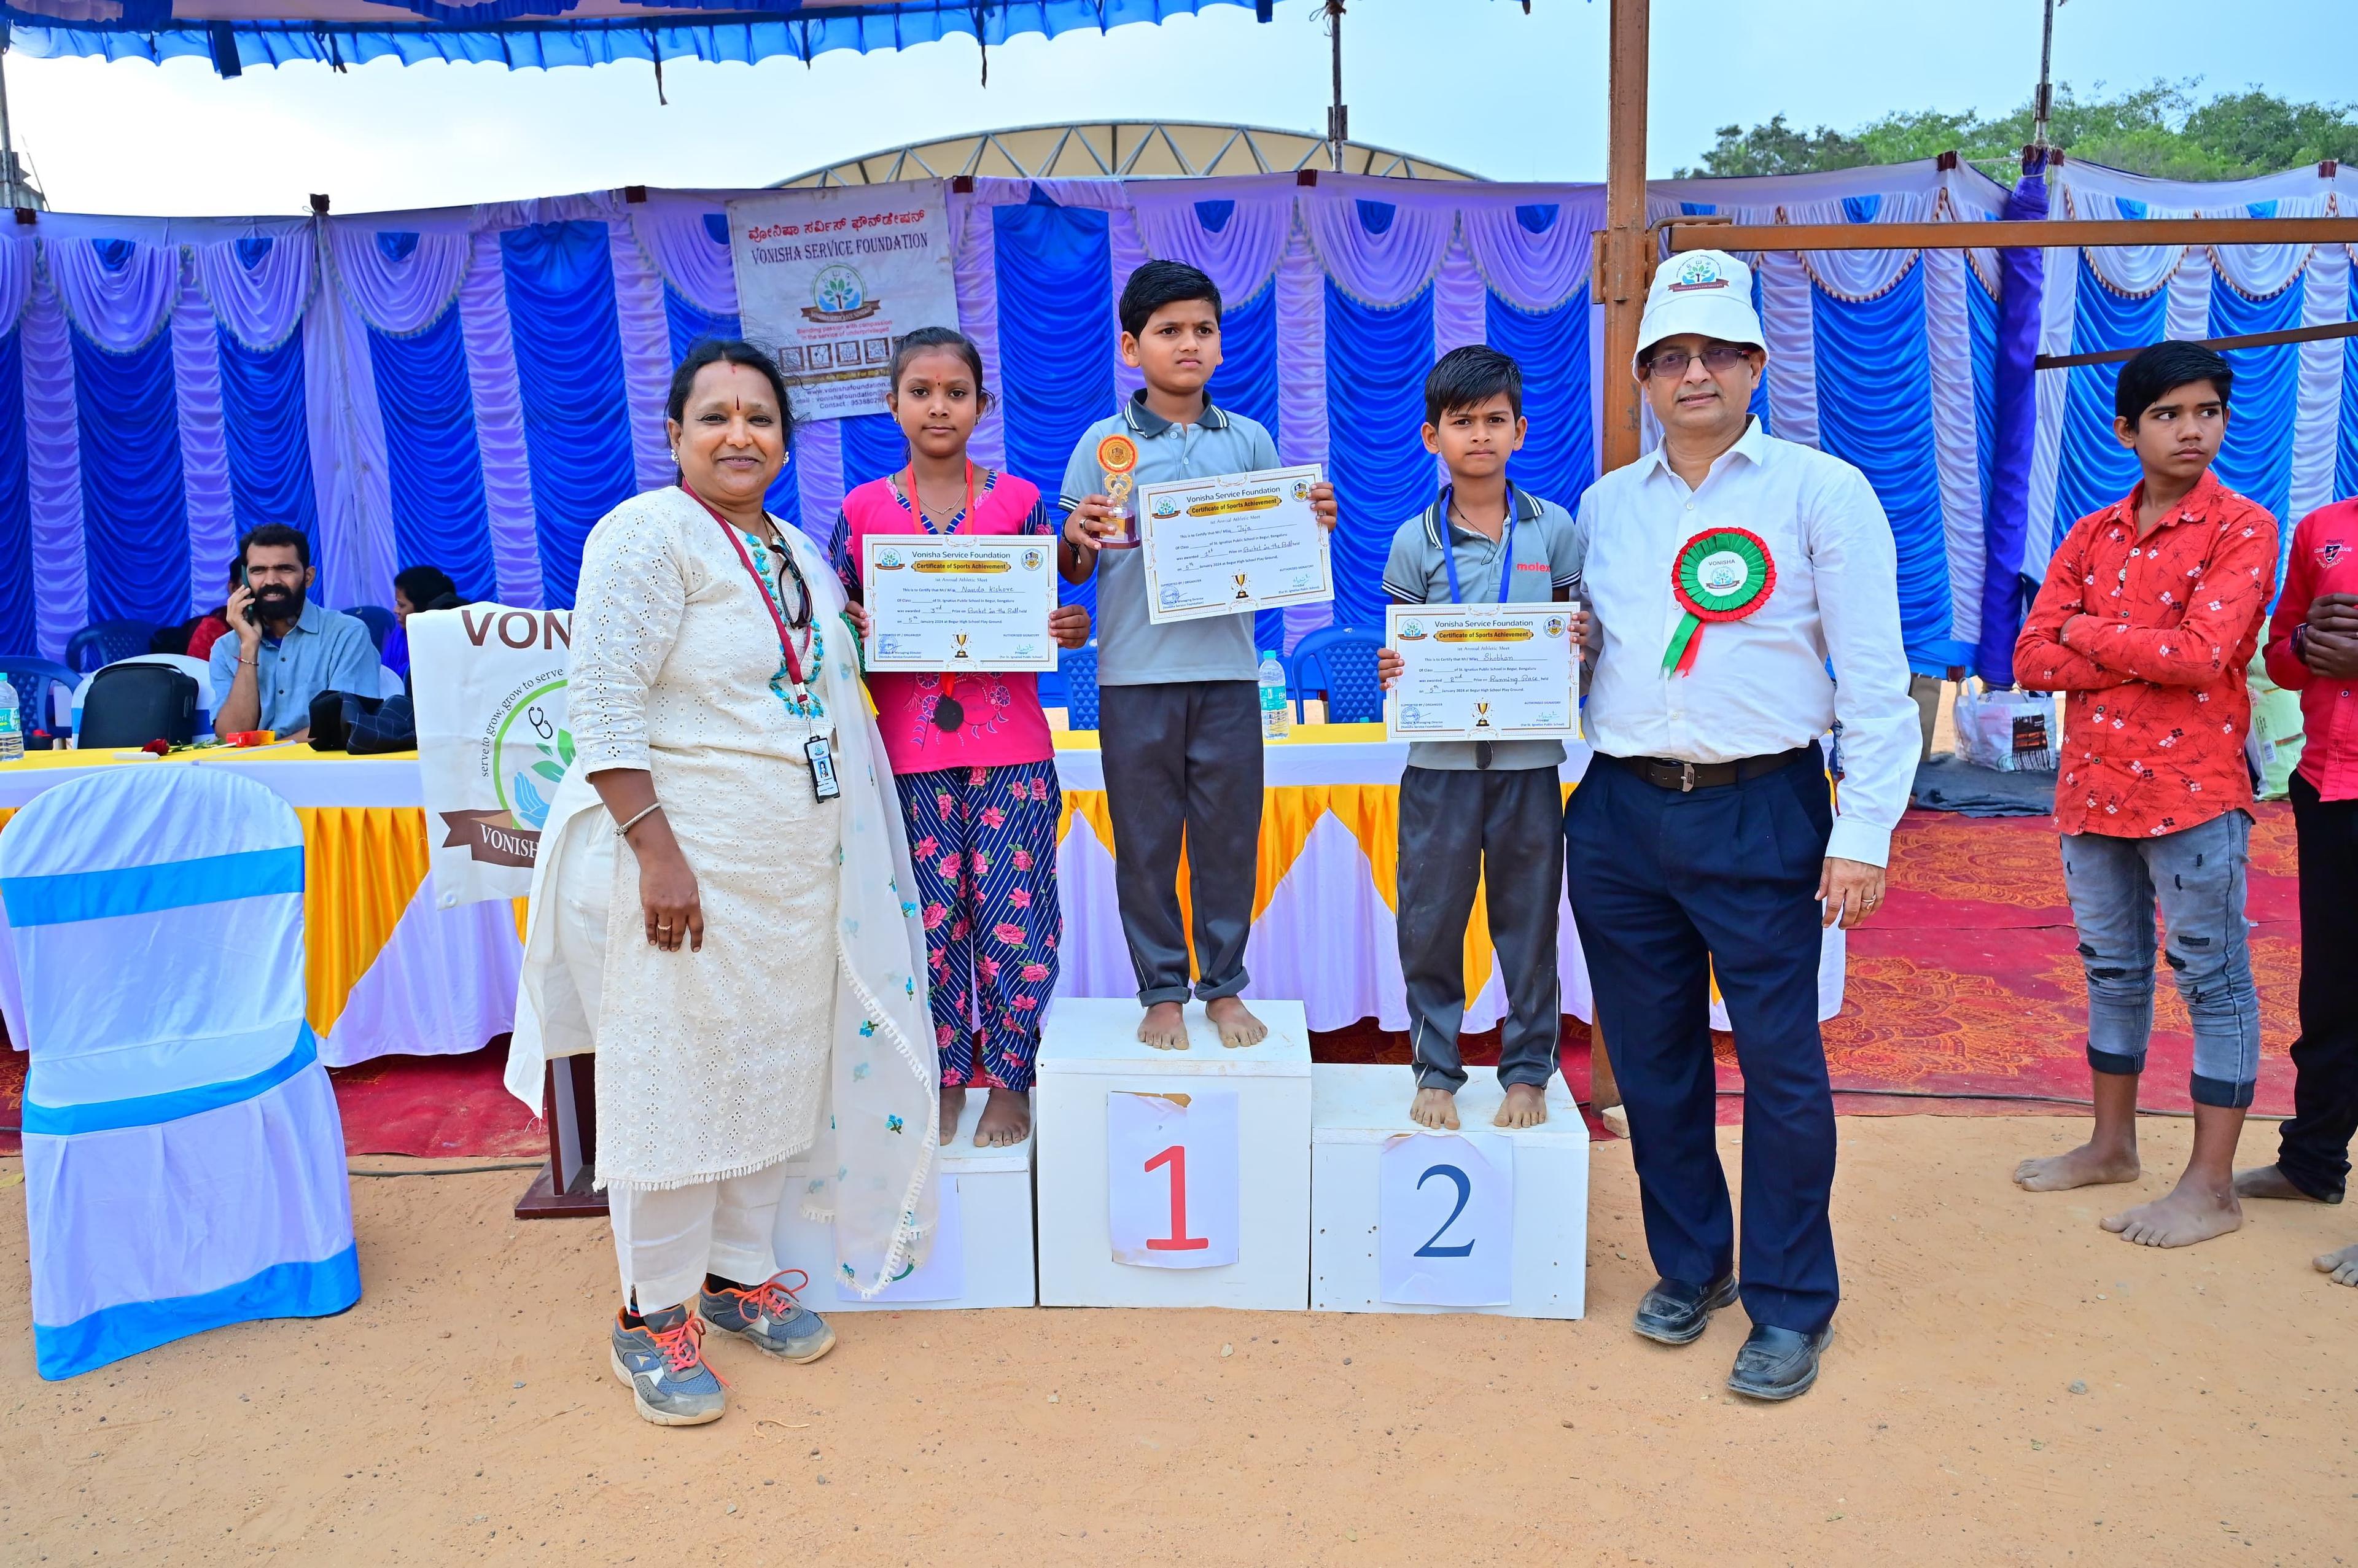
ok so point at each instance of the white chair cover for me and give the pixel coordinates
(184, 1164)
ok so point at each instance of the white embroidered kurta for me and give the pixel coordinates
(806, 1011)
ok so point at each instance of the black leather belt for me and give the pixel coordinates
(1667, 772)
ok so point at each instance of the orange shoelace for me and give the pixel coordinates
(683, 1347)
(773, 1297)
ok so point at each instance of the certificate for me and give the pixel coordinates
(959, 602)
(1240, 542)
(1491, 672)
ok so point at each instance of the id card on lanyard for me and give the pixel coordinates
(1482, 753)
(815, 750)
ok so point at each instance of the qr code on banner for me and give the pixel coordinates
(822, 356)
(876, 350)
(790, 359)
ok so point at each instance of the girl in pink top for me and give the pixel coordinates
(970, 753)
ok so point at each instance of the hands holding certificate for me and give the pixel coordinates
(1207, 529)
(959, 601)
(1498, 672)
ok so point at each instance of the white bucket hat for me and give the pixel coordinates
(1708, 292)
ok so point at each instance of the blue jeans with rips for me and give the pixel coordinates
(2195, 876)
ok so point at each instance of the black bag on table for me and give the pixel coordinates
(132, 705)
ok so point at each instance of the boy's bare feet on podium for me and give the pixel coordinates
(1526, 1105)
(1165, 1027)
(1436, 1108)
(1006, 1118)
(953, 1108)
(1237, 1026)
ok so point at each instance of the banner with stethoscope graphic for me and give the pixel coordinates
(489, 683)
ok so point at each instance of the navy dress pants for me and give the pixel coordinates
(1667, 889)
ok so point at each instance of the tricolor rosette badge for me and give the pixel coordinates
(1722, 574)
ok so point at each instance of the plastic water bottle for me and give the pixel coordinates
(1276, 716)
(12, 723)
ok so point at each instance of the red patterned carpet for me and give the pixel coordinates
(1966, 985)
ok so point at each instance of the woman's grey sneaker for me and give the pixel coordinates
(769, 1318)
(663, 1364)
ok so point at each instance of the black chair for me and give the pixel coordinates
(131, 705)
(379, 620)
(104, 641)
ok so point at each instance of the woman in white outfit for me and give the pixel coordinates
(750, 971)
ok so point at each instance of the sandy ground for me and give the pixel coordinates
(463, 1411)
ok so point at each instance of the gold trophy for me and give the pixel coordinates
(1117, 465)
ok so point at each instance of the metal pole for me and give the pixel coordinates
(1621, 273)
(12, 190)
(2042, 107)
(1338, 116)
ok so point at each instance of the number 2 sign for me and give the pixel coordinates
(1444, 1221)
(1171, 1178)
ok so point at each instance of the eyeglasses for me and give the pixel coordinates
(1670, 364)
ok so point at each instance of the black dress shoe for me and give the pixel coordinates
(1675, 1312)
(1778, 1363)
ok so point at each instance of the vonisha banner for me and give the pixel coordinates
(489, 682)
(830, 280)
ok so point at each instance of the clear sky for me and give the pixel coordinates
(1473, 82)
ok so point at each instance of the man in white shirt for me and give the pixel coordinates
(1728, 573)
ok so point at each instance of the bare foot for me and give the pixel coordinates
(1006, 1118)
(2189, 1214)
(2341, 1265)
(2086, 1166)
(1238, 1027)
(1165, 1027)
(1526, 1106)
(953, 1108)
(2270, 1182)
(1436, 1108)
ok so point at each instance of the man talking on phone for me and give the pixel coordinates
(283, 650)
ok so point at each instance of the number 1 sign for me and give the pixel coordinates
(1444, 1232)
(1171, 1178)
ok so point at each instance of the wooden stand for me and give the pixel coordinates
(568, 1102)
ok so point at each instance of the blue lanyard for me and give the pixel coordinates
(1449, 551)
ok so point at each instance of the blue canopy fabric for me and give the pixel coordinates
(547, 33)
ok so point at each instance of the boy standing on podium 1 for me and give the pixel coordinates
(1179, 703)
(1481, 811)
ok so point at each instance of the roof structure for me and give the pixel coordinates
(1122, 149)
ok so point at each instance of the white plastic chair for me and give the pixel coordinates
(184, 1163)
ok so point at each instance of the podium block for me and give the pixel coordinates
(982, 1255)
(1504, 1232)
(1173, 1178)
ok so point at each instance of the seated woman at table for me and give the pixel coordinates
(971, 754)
(746, 966)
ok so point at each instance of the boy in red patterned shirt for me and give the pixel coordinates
(2151, 609)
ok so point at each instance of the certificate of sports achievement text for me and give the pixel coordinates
(1489, 672)
(1239, 541)
(957, 602)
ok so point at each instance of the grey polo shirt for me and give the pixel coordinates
(1132, 650)
(1549, 551)
(323, 651)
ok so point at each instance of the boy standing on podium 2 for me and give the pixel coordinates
(1481, 811)
(1179, 704)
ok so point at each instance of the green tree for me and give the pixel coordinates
(2159, 129)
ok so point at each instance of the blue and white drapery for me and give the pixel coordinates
(474, 387)
(2292, 437)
